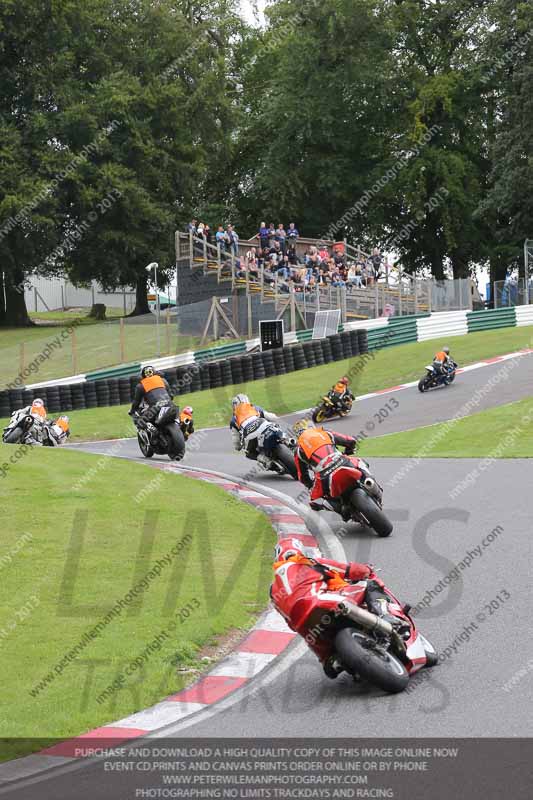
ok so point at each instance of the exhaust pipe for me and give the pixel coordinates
(365, 618)
(369, 483)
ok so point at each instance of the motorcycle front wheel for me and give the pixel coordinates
(176, 449)
(371, 512)
(284, 455)
(13, 437)
(146, 449)
(319, 414)
(362, 656)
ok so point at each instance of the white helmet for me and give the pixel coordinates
(38, 403)
(240, 398)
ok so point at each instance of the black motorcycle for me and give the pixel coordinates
(335, 406)
(434, 377)
(162, 434)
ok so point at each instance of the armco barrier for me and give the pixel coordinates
(447, 323)
(524, 315)
(488, 320)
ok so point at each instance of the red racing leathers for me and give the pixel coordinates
(298, 585)
(314, 445)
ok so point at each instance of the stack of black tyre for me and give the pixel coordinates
(189, 378)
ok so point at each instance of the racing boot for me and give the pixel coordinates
(332, 667)
(265, 461)
(377, 603)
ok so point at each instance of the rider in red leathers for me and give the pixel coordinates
(313, 446)
(298, 574)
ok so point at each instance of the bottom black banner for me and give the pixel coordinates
(288, 769)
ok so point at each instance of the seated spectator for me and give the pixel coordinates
(323, 253)
(354, 277)
(360, 265)
(284, 268)
(263, 236)
(281, 236)
(323, 275)
(339, 258)
(293, 258)
(275, 253)
(251, 257)
(336, 278)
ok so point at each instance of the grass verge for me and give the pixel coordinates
(79, 532)
(502, 432)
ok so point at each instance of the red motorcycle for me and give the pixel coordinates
(347, 486)
(347, 637)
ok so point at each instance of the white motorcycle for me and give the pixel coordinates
(274, 449)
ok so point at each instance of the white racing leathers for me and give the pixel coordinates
(251, 435)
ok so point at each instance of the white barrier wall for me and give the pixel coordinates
(445, 323)
(524, 315)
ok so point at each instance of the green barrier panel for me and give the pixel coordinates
(115, 372)
(491, 319)
(223, 351)
(304, 336)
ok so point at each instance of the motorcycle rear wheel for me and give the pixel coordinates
(361, 656)
(177, 442)
(283, 454)
(146, 449)
(371, 512)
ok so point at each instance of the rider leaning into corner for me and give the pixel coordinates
(151, 392)
(299, 574)
(37, 410)
(312, 447)
(243, 425)
(443, 359)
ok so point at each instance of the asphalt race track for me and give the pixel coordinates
(462, 697)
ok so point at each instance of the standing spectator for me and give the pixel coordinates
(281, 236)
(220, 238)
(207, 234)
(292, 234)
(191, 227)
(263, 236)
(200, 230)
(233, 240)
(369, 273)
(271, 235)
(376, 260)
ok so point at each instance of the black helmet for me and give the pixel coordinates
(147, 371)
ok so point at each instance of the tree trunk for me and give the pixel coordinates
(13, 311)
(141, 297)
